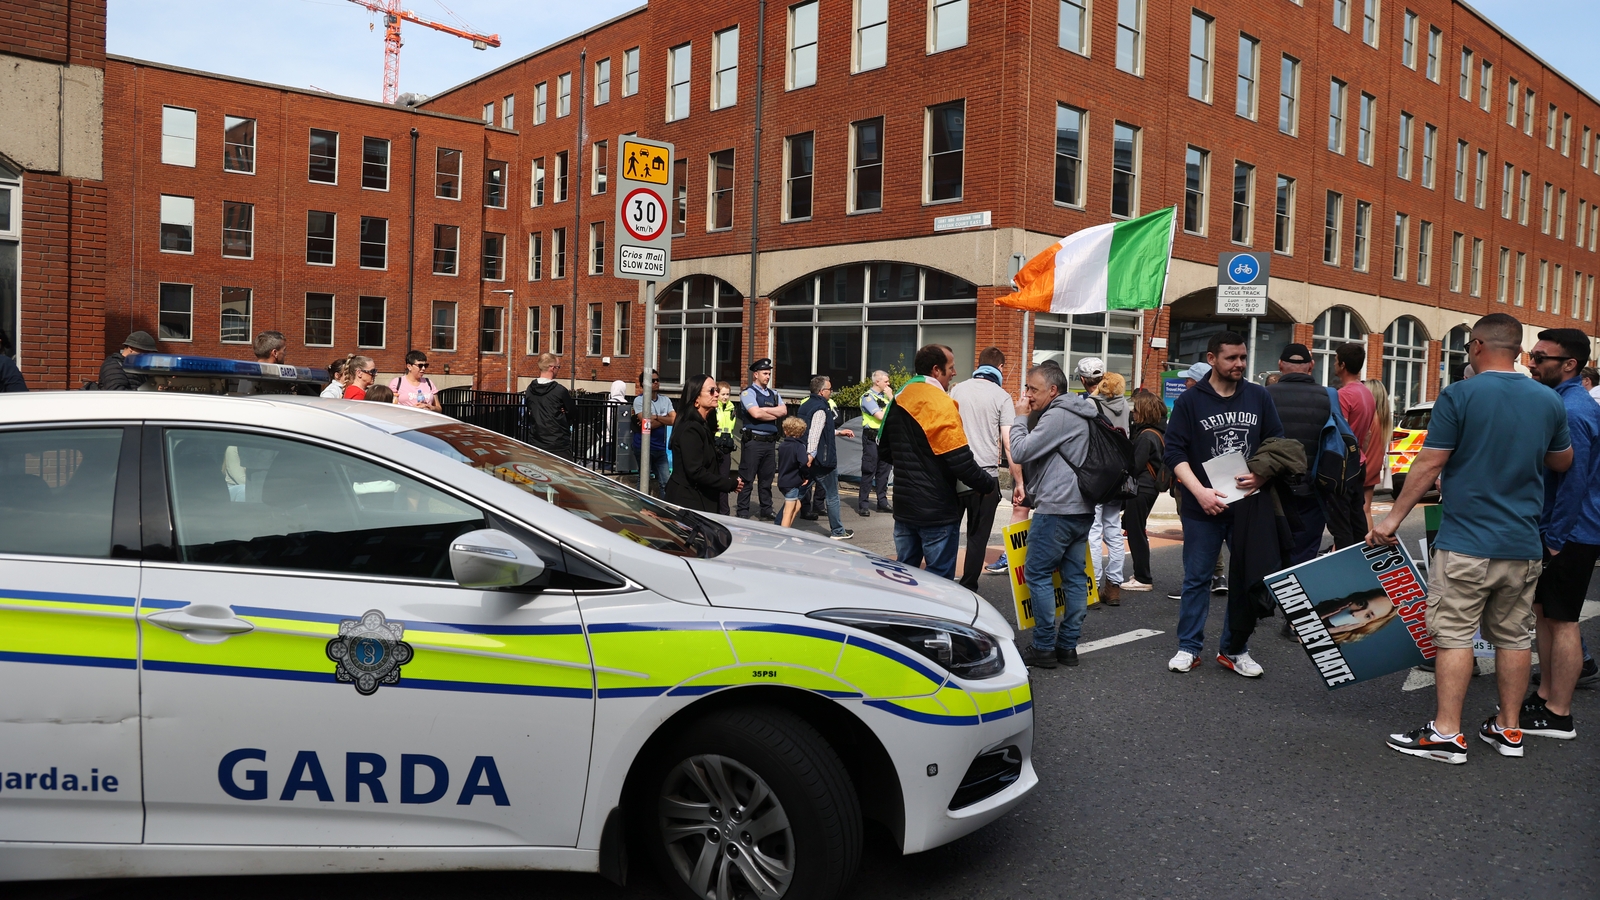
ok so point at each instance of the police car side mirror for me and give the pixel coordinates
(492, 559)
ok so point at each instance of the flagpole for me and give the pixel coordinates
(1022, 370)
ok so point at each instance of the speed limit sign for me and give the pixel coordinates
(644, 185)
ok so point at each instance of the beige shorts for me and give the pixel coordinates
(1469, 592)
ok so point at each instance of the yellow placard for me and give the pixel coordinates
(643, 162)
(1016, 550)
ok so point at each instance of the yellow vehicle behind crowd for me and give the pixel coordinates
(1406, 442)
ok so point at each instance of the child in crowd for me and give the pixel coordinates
(792, 474)
(380, 393)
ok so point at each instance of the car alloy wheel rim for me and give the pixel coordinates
(725, 831)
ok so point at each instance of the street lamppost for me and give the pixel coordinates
(505, 329)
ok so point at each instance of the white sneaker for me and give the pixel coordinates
(1183, 662)
(1134, 584)
(1242, 664)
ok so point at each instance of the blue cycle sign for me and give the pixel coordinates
(1242, 268)
(1242, 283)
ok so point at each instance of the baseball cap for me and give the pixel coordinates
(761, 365)
(1199, 371)
(1295, 353)
(1091, 367)
(141, 341)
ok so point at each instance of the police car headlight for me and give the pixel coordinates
(963, 650)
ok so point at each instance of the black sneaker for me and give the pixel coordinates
(1506, 742)
(1067, 657)
(1539, 721)
(1427, 744)
(1038, 659)
(885, 508)
(1589, 674)
(863, 512)
(810, 517)
(1219, 584)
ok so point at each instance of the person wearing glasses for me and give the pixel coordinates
(661, 417)
(362, 371)
(413, 388)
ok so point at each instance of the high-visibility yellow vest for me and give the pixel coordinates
(876, 422)
(727, 421)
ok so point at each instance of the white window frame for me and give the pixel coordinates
(1480, 180)
(336, 142)
(435, 327)
(536, 183)
(1402, 245)
(1283, 200)
(1508, 174)
(789, 177)
(535, 256)
(1502, 287)
(1134, 33)
(1247, 85)
(928, 154)
(1369, 22)
(1435, 44)
(1462, 150)
(680, 62)
(1338, 94)
(382, 322)
(937, 11)
(1485, 84)
(1333, 229)
(563, 95)
(869, 37)
(530, 334)
(602, 81)
(1135, 176)
(249, 316)
(362, 243)
(725, 75)
(1201, 81)
(801, 58)
(1425, 252)
(177, 146)
(508, 112)
(1289, 96)
(162, 312)
(630, 71)
(1361, 249)
(597, 248)
(250, 233)
(1083, 12)
(1403, 146)
(1200, 189)
(540, 99)
(1366, 125)
(228, 123)
(1408, 41)
(1464, 89)
(177, 212)
(1458, 248)
(1475, 283)
(334, 240)
(388, 149)
(333, 305)
(1430, 152)
(856, 166)
(1248, 204)
(483, 257)
(1513, 95)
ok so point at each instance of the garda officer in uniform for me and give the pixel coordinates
(763, 411)
(725, 430)
(875, 403)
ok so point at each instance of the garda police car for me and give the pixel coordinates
(281, 634)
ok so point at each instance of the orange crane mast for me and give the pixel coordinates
(392, 16)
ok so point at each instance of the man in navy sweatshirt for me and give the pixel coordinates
(1222, 414)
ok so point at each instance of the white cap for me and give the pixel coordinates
(1091, 367)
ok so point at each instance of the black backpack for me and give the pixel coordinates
(1337, 470)
(1107, 471)
(1159, 471)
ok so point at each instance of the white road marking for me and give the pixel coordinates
(1591, 608)
(1138, 634)
(1417, 679)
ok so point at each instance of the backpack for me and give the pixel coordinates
(1337, 471)
(1159, 471)
(1107, 471)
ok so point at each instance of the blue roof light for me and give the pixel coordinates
(212, 366)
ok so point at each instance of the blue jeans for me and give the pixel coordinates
(1202, 543)
(934, 544)
(1057, 542)
(660, 469)
(830, 491)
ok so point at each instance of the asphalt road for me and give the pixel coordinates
(1155, 784)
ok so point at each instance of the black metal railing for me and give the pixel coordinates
(601, 428)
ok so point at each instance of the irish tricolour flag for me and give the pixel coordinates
(1121, 265)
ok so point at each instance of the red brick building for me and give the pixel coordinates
(1410, 168)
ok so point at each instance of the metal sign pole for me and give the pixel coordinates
(644, 388)
(1251, 361)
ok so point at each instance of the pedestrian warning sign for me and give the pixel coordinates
(645, 162)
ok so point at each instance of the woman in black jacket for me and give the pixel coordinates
(1149, 435)
(696, 473)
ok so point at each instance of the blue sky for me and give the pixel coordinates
(326, 43)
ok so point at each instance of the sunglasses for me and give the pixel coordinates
(421, 365)
(367, 372)
(1539, 358)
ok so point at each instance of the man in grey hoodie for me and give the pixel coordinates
(1058, 532)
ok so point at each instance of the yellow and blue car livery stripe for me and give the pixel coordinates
(102, 633)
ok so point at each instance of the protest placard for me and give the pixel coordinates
(1016, 550)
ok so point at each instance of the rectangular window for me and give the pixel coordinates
(177, 224)
(488, 113)
(558, 253)
(597, 248)
(1130, 36)
(1200, 49)
(622, 328)
(1502, 286)
(600, 162)
(1528, 100)
(1363, 234)
(596, 328)
(1408, 41)
(866, 164)
(1480, 178)
(371, 321)
(1458, 246)
(1073, 30)
(725, 68)
(1430, 147)
(1522, 273)
(802, 45)
(374, 243)
(536, 256)
(1244, 103)
(508, 112)
(1507, 187)
(680, 203)
(1369, 22)
(1425, 253)
(533, 330)
(324, 151)
(872, 35)
(1402, 238)
(1332, 228)
(1465, 89)
(1512, 95)
(1336, 94)
(1485, 85)
(561, 177)
(1196, 175)
(1244, 190)
(1369, 114)
(374, 164)
(1461, 170)
(1283, 224)
(1124, 170)
(678, 83)
(1566, 134)
(321, 229)
(1583, 149)
(494, 184)
(446, 249)
(1594, 226)
(1555, 290)
(1578, 223)
(1403, 157)
(239, 229)
(1524, 188)
(797, 176)
(235, 318)
(1477, 267)
(178, 136)
(1550, 127)
(1544, 285)
(319, 320)
(1341, 14)
(947, 25)
(491, 330)
(1435, 40)
(1561, 215)
(630, 72)
(540, 92)
(494, 257)
(444, 326)
(238, 145)
(563, 94)
(536, 182)
(447, 174)
(946, 152)
(602, 81)
(719, 206)
(558, 330)
(1289, 96)
(1069, 155)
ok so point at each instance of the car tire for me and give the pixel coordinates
(804, 799)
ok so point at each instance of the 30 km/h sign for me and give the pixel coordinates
(644, 184)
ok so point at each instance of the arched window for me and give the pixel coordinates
(1405, 352)
(847, 321)
(1453, 355)
(1334, 327)
(10, 250)
(700, 328)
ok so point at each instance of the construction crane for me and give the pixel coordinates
(392, 16)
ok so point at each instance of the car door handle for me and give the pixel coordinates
(201, 622)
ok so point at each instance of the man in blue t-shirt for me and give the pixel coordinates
(661, 417)
(1492, 436)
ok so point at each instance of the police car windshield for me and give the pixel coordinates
(577, 490)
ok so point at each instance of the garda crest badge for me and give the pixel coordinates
(368, 652)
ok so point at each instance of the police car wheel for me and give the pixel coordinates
(753, 803)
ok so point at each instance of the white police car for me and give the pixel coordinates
(279, 634)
